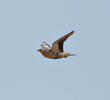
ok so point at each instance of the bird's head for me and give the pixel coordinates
(40, 50)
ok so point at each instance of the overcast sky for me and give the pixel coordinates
(26, 75)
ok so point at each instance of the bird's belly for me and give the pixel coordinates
(49, 55)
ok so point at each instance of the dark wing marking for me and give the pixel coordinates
(58, 44)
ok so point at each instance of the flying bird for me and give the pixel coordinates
(56, 51)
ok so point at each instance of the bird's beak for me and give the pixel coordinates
(38, 50)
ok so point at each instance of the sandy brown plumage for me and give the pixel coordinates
(57, 51)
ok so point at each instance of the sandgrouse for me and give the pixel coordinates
(56, 51)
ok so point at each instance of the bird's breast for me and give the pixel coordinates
(48, 54)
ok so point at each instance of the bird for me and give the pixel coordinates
(56, 51)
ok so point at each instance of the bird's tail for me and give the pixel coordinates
(72, 54)
(66, 54)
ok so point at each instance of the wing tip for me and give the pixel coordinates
(71, 33)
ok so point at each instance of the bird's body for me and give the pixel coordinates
(48, 54)
(56, 51)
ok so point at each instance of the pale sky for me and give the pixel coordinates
(26, 75)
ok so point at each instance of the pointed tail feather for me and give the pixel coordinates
(72, 54)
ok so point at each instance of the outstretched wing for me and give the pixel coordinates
(58, 44)
(45, 45)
